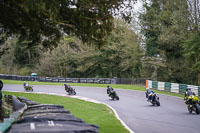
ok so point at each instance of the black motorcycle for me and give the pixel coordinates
(70, 90)
(28, 87)
(154, 99)
(113, 94)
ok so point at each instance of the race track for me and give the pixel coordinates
(171, 117)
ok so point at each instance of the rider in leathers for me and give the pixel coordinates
(109, 90)
(67, 87)
(188, 93)
(149, 93)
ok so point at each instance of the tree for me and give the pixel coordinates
(174, 20)
(192, 43)
(7, 59)
(120, 57)
(61, 61)
(192, 54)
(149, 22)
(167, 24)
(194, 9)
(26, 55)
(45, 21)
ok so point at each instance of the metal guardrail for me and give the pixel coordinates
(76, 80)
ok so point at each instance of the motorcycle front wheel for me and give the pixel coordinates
(73, 92)
(117, 97)
(31, 89)
(157, 102)
(197, 108)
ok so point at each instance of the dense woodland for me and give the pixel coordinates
(74, 38)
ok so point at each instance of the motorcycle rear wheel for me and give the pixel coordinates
(189, 109)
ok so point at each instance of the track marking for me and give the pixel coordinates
(32, 126)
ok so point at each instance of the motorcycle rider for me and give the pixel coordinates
(109, 90)
(149, 93)
(188, 93)
(68, 87)
(25, 85)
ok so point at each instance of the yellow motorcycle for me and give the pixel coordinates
(193, 104)
(27, 87)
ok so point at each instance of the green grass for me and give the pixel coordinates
(92, 113)
(120, 86)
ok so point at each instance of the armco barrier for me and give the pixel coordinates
(182, 88)
(172, 87)
(149, 84)
(59, 79)
(155, 85)
(199, 92)
(161, 85)
(76, 80)
(167, 86)
(175, 87)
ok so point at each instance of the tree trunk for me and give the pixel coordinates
(198, 78)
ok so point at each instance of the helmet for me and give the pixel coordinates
(187, 89)
(108, 86)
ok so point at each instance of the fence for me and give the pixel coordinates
(76, 80)
(131, 81)
(172, 87)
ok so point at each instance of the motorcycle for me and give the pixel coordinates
(28, 87)
(193, 104)
(113, 95)
(154, 99)
(70, 90)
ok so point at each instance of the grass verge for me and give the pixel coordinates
(92, 113)
(120, 86)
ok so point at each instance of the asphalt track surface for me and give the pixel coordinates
(140, 116)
